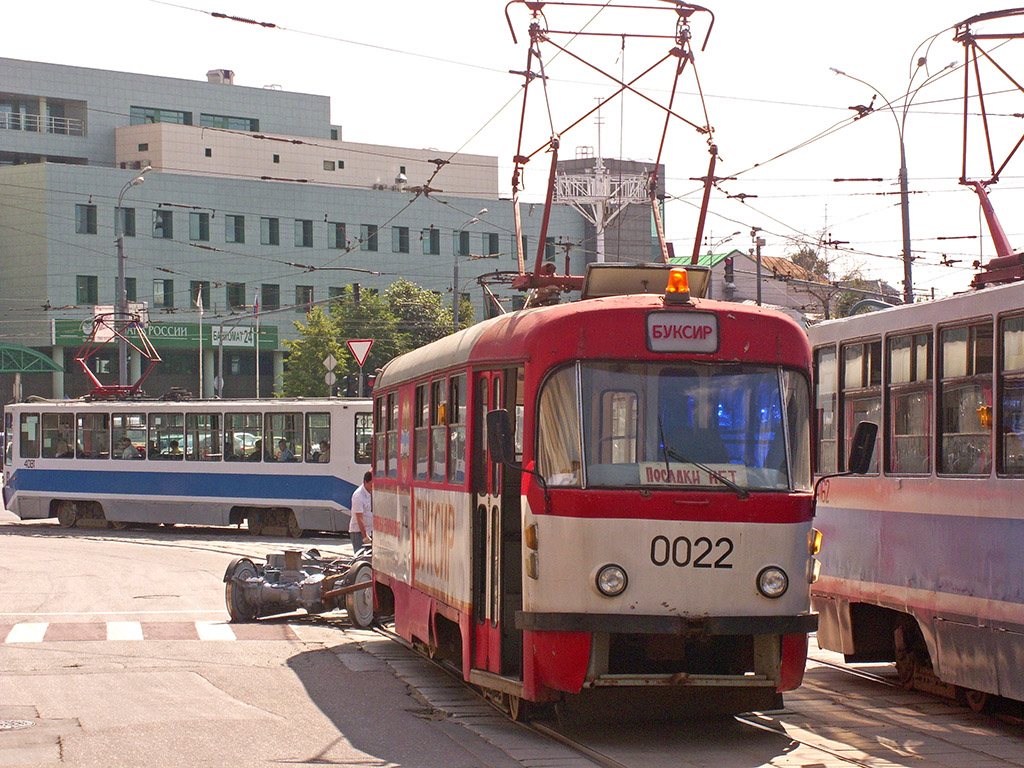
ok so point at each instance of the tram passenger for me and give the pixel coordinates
(63, 450)
(173, 448)
(325, 452)
(126, 450)
(360, 524)
(257, 452)
(284, 453)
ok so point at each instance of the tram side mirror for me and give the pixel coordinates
(499, 436)
(863, 448)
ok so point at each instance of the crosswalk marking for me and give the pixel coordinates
(124, 630)
(58, 632)
(27, 633)
(214, 630)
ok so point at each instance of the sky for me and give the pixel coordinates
(418, 74)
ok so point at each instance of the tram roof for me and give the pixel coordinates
(536, 332)
(276, 403)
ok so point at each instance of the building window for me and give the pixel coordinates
(491, 244)
(303, 298)
(431, 241)
(199, 226)
(86, 289)
(144, 147)
(270, 231)
(341, 165)
(462, 243)
(124, 221)
(85, 219)
(163, 294)
(334, 134)
(163, 224)
(400, 239)
(270, 296)
(197, 288)
(368, 237)
(130, 289)
(549, 249)
(146, 115)
(234, 229)
(303, 233)
(328, 165)
(337, 235)
(231, 123)
(209, 152)
(335, 292)
(236, 295)
(277, 158)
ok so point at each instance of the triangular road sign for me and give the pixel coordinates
(359, 348)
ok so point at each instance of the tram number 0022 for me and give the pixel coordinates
(699, 553)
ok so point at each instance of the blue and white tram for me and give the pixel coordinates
(924, 556)
(278, 465)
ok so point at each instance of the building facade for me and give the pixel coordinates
(252, 198)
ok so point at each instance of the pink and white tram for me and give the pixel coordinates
(923, 561)
(653, 543)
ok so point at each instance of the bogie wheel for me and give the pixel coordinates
(67, 514)
(239, 606)
(254, 522)
(518, 709)
(294, 530)
(120, 525)
(359, 603)
(977, 701)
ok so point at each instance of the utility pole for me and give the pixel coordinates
(758, 242)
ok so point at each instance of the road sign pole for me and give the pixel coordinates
(360, 381)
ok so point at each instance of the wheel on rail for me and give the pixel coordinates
(254, 522)
(67, 514)
(120, 525)
(294, 529)
(520, 711)
(239, 607)
(359, 603)
(976, 701)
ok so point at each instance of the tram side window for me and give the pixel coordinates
(965, 421)
(58, 435)
(558, 429)
(202, 437)
(28, 435)
(422, 431)
(380, 444)
(167, 436)
(1011, 397)
(910, 404)
(392, 417)
(93, 435)
(862, 392)
(129, 433)
(364, 437)
(282, 437)
(242, 441)
(457, 429)
(825, 391)
(438, 420)
(8, 437)
(318, 437)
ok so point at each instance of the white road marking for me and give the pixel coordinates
(124, 630)
(214, 630)
(28, 632)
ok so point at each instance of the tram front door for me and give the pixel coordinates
(497, 538)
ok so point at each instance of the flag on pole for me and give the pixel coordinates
(256, 304)
(199, 300)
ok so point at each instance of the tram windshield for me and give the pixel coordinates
(675, 424)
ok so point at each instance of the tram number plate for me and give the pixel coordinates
(683, 552)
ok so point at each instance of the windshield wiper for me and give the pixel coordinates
(668, 451)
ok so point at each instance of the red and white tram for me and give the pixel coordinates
(653, 542)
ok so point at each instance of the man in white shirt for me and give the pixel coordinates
(360, 524)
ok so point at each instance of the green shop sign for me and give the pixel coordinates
(71, 333)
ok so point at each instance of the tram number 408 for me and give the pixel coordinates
(699, 553)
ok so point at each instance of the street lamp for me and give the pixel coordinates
(455, 271)
(908, 284)
(122, 296)
(713, 245)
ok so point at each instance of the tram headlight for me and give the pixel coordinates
(772, 582)
(612, 580)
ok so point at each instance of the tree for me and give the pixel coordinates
(423, 316)
(305, 371)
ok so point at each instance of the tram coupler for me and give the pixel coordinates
(294, 579)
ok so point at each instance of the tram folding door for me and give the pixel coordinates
(497, 541)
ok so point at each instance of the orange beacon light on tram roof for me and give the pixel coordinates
(678, 289)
